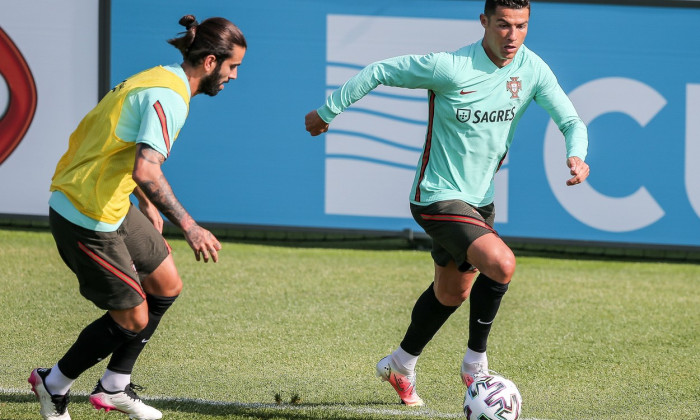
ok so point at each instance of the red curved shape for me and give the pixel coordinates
(22, 96)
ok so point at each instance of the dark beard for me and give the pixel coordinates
(209, 85)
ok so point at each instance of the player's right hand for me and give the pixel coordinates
(578, 168)
(203, 243)
(315, 124)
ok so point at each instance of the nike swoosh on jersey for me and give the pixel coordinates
(462, 92)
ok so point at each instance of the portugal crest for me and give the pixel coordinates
(513, 86)
(463, 115)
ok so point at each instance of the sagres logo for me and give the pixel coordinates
(514, 86)
(479, 116)
(463, 114)
(18, 97)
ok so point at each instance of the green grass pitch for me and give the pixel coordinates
(294, 332)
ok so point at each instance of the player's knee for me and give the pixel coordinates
(136, 321)
(505, 268)
(453, 286)
(459, 298)
(176, 287)
(452, 298)
(163, 285)
(508, 268)
(140, 324)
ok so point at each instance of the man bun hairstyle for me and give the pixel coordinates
(491, 5)
(214, 36)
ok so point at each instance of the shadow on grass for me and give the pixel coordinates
(303, 411)
(361, 410)
(266, 411)
(17, 398)
(30, 398)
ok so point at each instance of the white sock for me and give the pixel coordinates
(113, 381)
(472, 356)
(56, 382)
(405, 361)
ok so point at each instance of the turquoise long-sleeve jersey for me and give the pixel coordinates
(474, 107)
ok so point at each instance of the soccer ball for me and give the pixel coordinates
(492, 397)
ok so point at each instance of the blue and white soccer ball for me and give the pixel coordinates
(492, 397)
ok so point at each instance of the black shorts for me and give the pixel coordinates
(111, 265)
(453, 225)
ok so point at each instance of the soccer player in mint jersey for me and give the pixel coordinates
(477, 95)
(122, 262)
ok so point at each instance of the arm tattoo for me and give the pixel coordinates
(150, 154)
(158, 189)
(161, 195)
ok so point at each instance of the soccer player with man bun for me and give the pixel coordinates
(476, 95)
(122, 262)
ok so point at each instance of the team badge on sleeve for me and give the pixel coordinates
(513, 86)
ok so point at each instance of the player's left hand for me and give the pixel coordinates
(203, 243)
(578, 168)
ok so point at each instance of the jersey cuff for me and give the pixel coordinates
(581, 156)
(326, 114)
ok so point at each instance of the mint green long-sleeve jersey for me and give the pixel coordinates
(474, 107)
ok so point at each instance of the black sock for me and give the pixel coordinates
(484, 300)
(124, 357)
(426, 319)
(94, 343)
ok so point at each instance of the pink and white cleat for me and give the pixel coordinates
(404, 384)
(469, 371)
(51, 407)
(125, 401)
